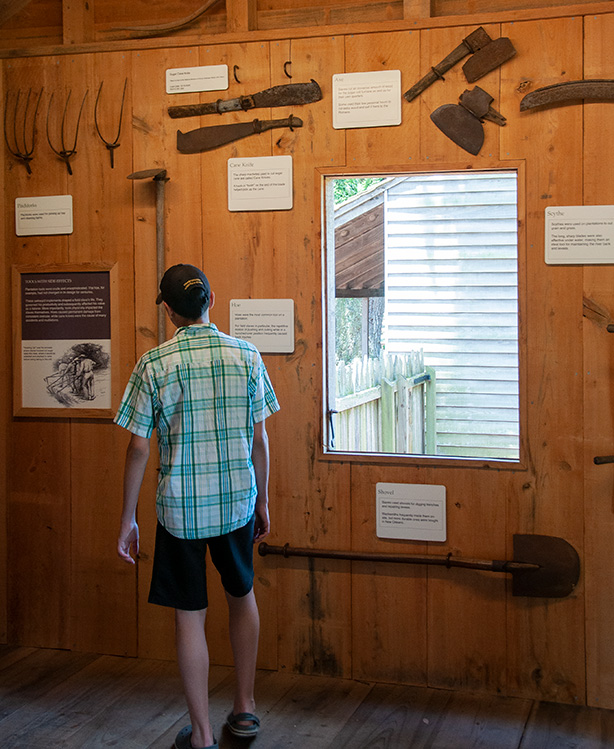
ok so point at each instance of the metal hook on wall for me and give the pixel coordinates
(288, 62)
(234, 72)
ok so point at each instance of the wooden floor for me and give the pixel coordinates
(56, 699)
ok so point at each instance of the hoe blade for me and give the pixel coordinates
(460, 126)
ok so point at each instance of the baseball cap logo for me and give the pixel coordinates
(192, 282)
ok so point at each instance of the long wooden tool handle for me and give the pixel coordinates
(476, 40)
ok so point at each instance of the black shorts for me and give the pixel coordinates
(179, 577)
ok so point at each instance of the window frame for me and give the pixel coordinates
(323, 183)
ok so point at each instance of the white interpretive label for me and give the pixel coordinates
(267, 323)
(579, 234)
(415, 512)
(51, 214)
(202, 78)
(263, 183)
(371, 99)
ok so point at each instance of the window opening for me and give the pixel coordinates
(422, 314)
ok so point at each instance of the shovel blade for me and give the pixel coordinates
(488, 58)
(559, 564)
(460, 126)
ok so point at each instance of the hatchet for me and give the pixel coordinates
(487, 55)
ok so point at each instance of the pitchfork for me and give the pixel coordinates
(24, 154)
(65, 153)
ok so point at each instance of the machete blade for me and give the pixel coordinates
(284, 95)
(207, 138)
(460, 126)
(288, 95)
(488, 58)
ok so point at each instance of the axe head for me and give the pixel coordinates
(488, 58)
(460, 126)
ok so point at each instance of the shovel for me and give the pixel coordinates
(543, 566)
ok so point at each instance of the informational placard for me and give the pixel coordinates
(371, 99)
(263, 183)
(579, 234)
(63, 335)
(267, 323)
(49, 214)
(415, 512)
(202, 78)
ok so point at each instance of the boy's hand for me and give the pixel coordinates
(262, 524)
(128, 541)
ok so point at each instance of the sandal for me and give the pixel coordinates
(233, 723)
(183, 740)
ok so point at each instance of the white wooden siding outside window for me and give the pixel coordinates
(451, 274)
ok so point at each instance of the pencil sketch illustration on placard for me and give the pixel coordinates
(73, 379)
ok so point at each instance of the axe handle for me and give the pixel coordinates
(472, 43)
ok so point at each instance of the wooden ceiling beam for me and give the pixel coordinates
(77, 21)
(241, 15)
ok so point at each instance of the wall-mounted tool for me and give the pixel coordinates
(487, 55)
(111, 145)
(160, 179)
(65, 153)
(21, 150)
(208, 138)
(165, 28)
(548, 96)
(495, 53)
(462, 122)
(542, 567)
(286, 95)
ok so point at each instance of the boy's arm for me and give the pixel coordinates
(137, 455)
(260, 459)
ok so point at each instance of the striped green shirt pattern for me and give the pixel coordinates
(202, 391)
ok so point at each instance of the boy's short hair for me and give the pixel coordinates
(186, 290)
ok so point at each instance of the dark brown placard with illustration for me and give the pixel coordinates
(64, 341)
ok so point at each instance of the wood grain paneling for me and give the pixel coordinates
(39, 504)
(385, 145)
(548, 499)
(103, 588)
(5, 406)
(598, 374)
(311, 497)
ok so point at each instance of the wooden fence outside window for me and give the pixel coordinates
(386, 405)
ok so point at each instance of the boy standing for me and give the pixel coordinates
(207, 395)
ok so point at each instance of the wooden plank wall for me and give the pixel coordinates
(443, 628)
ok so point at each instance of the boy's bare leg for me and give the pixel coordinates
(193, 660)
(244, 628)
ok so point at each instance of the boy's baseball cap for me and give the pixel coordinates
(177, 282)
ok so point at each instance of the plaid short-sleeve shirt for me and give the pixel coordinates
(202, 391)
